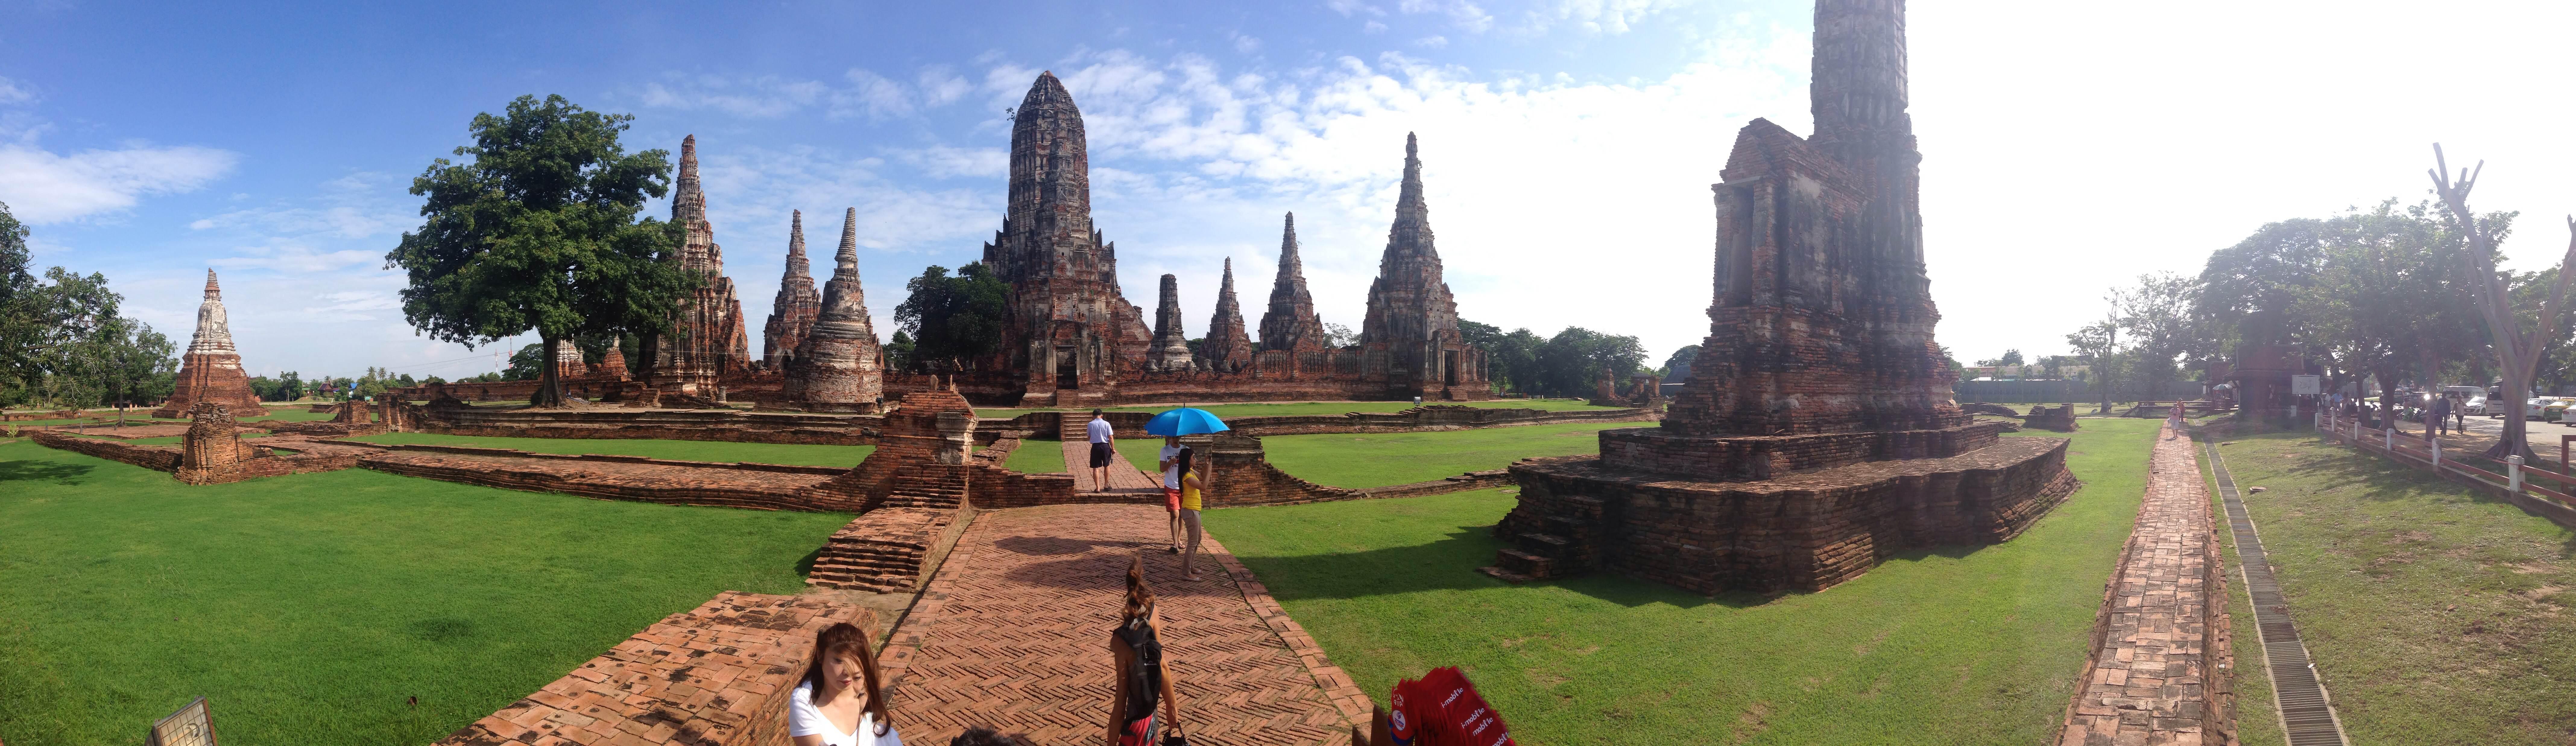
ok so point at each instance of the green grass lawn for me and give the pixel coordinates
(2435, 615)
(687, 450)
(1966, 645)
(1363, 460)
(1312, 408)
(1037, 457)
(308, 607)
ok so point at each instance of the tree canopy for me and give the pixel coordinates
(538, 232)
(953, 318)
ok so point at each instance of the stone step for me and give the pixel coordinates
(1550, 544)
(1568, 525)
(1526, 563)
(1506, 576)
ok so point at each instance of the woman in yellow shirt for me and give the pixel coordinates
(1191, 488)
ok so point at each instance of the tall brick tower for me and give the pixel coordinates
(1817, 435)
(1226, 348)
(1411, 331)
(791, 315)
(1291, 324)
(1171, 348)
(211, 371)
(710, 340)
(837, 370)
(1070, 329)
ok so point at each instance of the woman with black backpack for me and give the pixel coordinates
(1142, 682)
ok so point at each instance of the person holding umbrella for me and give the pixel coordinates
(1181, 472)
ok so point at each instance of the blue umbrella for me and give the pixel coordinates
(1185, 421)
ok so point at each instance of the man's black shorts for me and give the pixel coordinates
(1101, 453)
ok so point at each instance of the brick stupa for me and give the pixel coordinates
(709, 342)
(1227, 348)
(1291, 324)
(211, 371)
(1817, 435)
(1069, 326)
(837, 369)
(1171, 348)
(1412, 324)
(792, 314)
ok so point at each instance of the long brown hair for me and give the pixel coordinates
(1140, 597)
(845, 639)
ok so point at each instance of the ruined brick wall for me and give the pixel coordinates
(717, 675)
(882, 551)
(1791, 534)
(788, 489)
(728, 426)
(65, 414)
(306, 462)
(157, 458)
(2059, 418)
(1752, 457)
(995, 487)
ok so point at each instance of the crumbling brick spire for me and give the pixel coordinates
(1226, 348)
(710, 339)
(1291, 324)
(1171, 350)
(1069, 326)
(211, 371)
(837, 367)
(792, 314)
(1410, 309)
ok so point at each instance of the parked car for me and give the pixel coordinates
(2556, 409)
(2531, 407)
(2473, 399)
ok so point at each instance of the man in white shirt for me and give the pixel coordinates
(1101, 451)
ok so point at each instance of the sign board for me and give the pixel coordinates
(192, 725)
(2305, 385)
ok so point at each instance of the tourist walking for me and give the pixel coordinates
(2459, 415)
(1191, 492)
(1141, 680)
(2174, 420)
(841, 686)
(2441, 420)
(1170, 468)
(1101, 450)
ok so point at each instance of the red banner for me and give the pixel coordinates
(1443, 709)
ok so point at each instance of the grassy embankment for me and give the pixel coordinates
(1949, 645)
(309, 607)
(2434, 614)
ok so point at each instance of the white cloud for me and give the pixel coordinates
(1597, 16)
(942, 161)
(1372, 27)
(1244, 44)
(348, 302)
(356, 206)
(43, 187)
(13, 93)
(1464, 15)
(1349, 8)
(873, 96)
(761, 97)
(296, 257)
(1434, 41)
(940, 85)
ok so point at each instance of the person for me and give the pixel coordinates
(2174, 421)
(1101, 450)
(841, 686)
(1172, 487)
(1141, 679)
(2441, 420)
(1184, 464)
(981, 736)
(2459, 415)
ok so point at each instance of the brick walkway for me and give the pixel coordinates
(1013, 634)
(1123, 475)
(2149, 681)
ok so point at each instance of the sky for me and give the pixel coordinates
(1568, 145)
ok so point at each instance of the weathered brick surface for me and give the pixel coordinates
(717, 675)
(716, 425)
(1802, 531)
(764, 487)
(838, 366)
(1226, 348)
(157, 458)
(220, 455)
(711, 342)
(881, 551)
(2161, 669)
(1761, 457)
(1014, 632)
(2059, 418)
(792, 312)
(211, 370)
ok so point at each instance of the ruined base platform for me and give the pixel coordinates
(1806, 530)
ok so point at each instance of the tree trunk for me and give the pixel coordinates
(549, 391)
(647, 349)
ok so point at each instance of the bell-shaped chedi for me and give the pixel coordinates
(612, 366)
(1068, 326)
(568, 363)
(836, 368)
(1291, 323)
(1171, 349)
(211, 371)
(1226, 348)
(709, 340)
(792, 314)
(1412, 324)
(1816, 436)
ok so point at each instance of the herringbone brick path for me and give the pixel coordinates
(2154, 679)
(1013, 634)
(1123, 475)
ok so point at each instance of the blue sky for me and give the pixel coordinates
(1568, 144)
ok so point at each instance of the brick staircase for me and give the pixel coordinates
(882, 551)
(1560, 541)
(936, 486)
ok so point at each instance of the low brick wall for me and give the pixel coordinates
(67, 414)
(274, 465)
(1240, 475)
(157, 458)
(754, 486)
(717, 675)
(991, 486)
(598, 457)
(660, 424)
(1131, 425)
(882, 551)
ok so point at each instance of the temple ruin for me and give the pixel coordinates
(1171, 348)
(211, 371)
(709, 342)
(792, 314)
(1817, 435)
(838, 366)
(1226, 348)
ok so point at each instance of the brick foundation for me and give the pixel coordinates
(717, 675)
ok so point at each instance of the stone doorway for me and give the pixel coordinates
(1449, 367)
(1067, 377)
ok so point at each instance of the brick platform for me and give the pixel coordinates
(1014, 634)
(2161, 665)
(717, 675)
(624, 478)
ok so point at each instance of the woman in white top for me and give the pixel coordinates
(840, 687)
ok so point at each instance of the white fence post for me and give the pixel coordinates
(2513, 473)
(2434, 446)
(2388, 440)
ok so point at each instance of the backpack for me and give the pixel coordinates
(1145, 679)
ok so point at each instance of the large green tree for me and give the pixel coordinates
(1574, 359)
(953, 320)
(538, 232)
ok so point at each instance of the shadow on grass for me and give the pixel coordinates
(2378, 478)
(43, 471)
(1450, 565)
